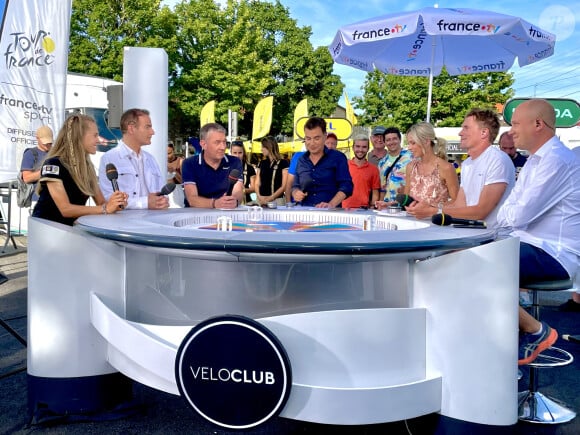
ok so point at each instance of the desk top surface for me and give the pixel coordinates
(182, 229)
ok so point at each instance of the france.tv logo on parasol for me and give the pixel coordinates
(461, 27)
(355, 62)
(378, 33)
(29, 50)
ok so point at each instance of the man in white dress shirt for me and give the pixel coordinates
(139, 174)
(543, 210)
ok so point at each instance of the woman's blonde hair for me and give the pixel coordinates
(424, 132)
(69, 148)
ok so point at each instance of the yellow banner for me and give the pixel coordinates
(262, 118)
(349, 110)
(207, 113)
(341, 127)
(301, 111)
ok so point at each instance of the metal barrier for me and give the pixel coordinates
(6, 190)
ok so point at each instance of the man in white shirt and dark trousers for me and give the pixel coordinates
(139, 174)
(487, 176)
(543, 210)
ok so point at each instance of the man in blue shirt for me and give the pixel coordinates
(206, 176)
(33, 157)
(322, 177)
(506, 144)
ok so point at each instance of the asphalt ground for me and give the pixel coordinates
(155, 412)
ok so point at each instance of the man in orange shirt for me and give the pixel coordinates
(365, 176)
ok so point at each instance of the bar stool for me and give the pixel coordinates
(535, 407)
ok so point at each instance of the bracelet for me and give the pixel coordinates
(213, 203)
(105, 209)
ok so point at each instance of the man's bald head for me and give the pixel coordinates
(542, 110)
(533, 124)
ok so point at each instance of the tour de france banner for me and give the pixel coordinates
(34, 37)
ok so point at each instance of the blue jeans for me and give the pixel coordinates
(537, 265)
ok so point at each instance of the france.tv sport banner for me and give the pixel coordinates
(34, 37)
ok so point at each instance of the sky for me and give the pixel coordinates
(555, 77)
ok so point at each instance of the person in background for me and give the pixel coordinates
(68, 178)
(32, 158)
(237, 150)
(206, 176)
(573, 304)
(174, 163)
(139, 174)
(331, 141)
(392, 167)
(430, 178)
(365, 177)
(272, 173)
(291, 175)
(543, 211)
(322, 178)
(378, 140)
(506, 144)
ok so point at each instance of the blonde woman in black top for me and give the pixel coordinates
(68, 177)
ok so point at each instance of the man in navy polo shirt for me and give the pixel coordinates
(206, 175)
(322, 177)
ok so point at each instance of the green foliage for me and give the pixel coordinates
(235, 54)
(402, 101)
(100, 30)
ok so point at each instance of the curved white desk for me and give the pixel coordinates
(379, 325)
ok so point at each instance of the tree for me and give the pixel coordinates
(299, 71)
(100, 30)
(235, 54)
(402, 101)
(246, 51)
(218, 60)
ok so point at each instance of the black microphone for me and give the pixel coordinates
(572, 338)
(112, 175)
(233, 178)
(305, 183)
(167, 189)
(403, 200)
(443, 219)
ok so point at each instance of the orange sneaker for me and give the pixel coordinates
(532, 345)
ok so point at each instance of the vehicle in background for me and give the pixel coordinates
(88, 95)
(108, 137)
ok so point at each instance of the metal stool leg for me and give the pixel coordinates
(535, 407)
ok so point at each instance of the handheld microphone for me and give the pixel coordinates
(233, 178)
(167, 189)
(443, 219)
(403, 200)
(305, 184)
(112, 175)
